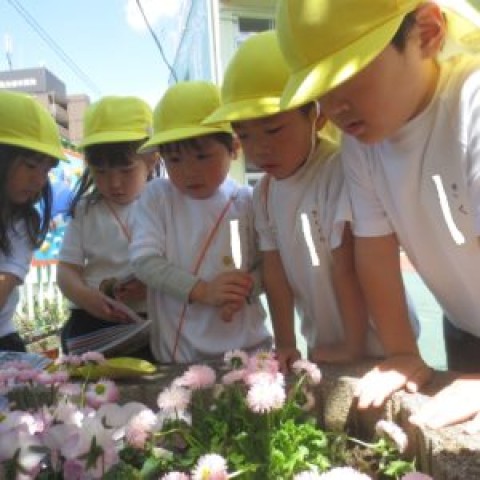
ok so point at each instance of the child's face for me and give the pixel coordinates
(278, 144)
(27, 178)
(121, 185)
(394, 88)
(198, 172)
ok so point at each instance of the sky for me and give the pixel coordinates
(106, 39)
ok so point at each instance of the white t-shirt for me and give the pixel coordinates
(96, 240)
(175, 226)
(16, 263)
(424, 185)
(303, 217)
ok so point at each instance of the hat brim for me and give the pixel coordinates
(51, 151)
(111, 137)
(315, 80)
(176, 134)
(244, 110)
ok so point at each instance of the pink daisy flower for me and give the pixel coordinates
(261, 376)
(197, 377)
(174, 399)
(46, 378)
(394, 433)
(139, 428)
(69, 360)
(265, 397)
(264, 361)
(313, 373)
(93, 357)
(234, 376)
(210, 467)
(70, 389)
(236, 359)
(104, 391)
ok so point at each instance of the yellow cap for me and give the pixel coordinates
(181, 111)
(254, 80)
(116, 119)
(27, 124)
(326, 42)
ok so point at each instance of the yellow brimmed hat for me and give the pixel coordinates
(325, 42)
(27, 124)
(254, 80)
(181, 111)
(116, 119)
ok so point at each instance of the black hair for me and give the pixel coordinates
(307, 108)
(103, 155)
(225, 138)
(36, 224)
(399, 40)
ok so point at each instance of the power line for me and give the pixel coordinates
(157, 42)
(54, 46)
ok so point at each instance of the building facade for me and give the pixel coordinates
(51, 92)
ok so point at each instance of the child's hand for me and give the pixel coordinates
(456, 403)
(132, 291)
(228, 310)
(394, 373)
(285, 357)
(228, 287)
(99, 305)
(337, 353)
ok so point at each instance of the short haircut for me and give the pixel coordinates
(224, 138)
(115, 154)
(399, 40)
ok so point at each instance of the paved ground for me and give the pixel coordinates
(431, 342)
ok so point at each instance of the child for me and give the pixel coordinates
(29, 147)
(300, 210)
(194, 240)
(94, 254)
(411, 159)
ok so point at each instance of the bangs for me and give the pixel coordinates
(112, 155)
(195, 143)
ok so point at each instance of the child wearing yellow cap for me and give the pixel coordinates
(93, 262)
(29, 147)
(194, 240)
(397, 80)
(301, 210)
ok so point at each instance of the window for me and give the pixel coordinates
(249, 25)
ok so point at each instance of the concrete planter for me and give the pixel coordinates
(447, 454)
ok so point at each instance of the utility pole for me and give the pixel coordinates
(8, 50)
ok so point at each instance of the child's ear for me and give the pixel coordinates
(432, 29)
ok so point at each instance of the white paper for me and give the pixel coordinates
(121, 307)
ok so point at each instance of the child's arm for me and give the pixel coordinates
(157, 272)
(281, 305)
(8, 282)
(229, 287)
(456, 403)
(378, 267)
(71, 283)
(351, 304)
